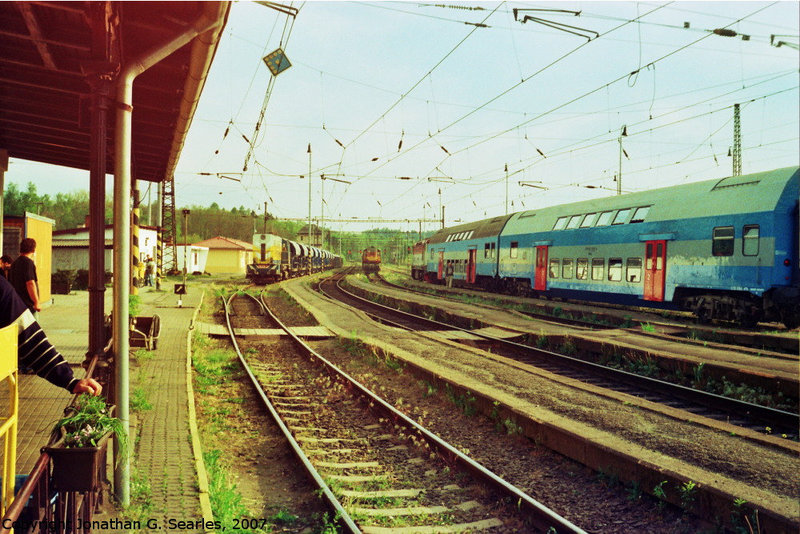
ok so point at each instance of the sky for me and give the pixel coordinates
(420, 105)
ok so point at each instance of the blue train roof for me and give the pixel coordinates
(757, 192)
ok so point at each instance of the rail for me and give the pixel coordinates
(541, 516)
(768, 416)
(334, 503)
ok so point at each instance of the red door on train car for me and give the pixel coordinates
(471, 265)
(540, 279)
(440, 271)
(655, 265)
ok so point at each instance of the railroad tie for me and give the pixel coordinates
(357, 479)
(296, 410)
(414, 510)
(281, 402)
(325, 440)
(347, 465)
(326, 452)
(483, 524)
(380, 494)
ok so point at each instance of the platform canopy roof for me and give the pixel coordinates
(50, 51)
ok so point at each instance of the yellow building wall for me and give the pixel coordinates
(227, 261)
(41, 230)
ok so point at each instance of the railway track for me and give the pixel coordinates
(376, 468)
(781, 345)
(717, 407)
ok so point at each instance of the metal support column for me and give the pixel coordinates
(101, 90)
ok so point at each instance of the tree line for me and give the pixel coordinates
(69, 210)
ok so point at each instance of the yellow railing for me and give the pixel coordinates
(8, 426)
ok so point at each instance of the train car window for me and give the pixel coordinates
(633, 270)
(514, 249)
(722, 241)
(614, 269)
(581, 268)
(561, 223)
(589, 220)
(493, 250)
(555, 267)
(640, 214)
(566, 269)
(622, 216)
(750, 240)
(598, 266)
(487, 250)
(574, 221)
(605, 218)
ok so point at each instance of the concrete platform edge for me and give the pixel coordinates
(197, 447)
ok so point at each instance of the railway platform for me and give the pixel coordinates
(759, 368)
(163, 465)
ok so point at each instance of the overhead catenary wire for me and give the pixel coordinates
(531, 76)
(592, 91)
(414, 86)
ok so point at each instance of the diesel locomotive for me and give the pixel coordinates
(723, 249)
(371, 260)
(276, 258)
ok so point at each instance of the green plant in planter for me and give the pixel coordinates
(133, 305)
(87, 421)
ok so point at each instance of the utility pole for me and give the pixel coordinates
(506, 188)
(321, 210)
(265, 217)
(624, 133)
(737, 142)
(441, 209)
(309, 194)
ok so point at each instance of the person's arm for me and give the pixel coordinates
(33, 293)
(34, 349)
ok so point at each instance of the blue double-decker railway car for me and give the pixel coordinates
(723, 249)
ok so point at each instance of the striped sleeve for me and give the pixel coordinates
(35, 351)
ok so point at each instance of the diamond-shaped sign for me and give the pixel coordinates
(277, 62)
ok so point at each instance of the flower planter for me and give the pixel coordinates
(78, 468)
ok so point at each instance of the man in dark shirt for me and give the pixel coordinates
(34, 350)
(23, 275)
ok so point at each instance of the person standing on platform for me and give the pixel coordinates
(5, 265)
(34, 351)
(23, 276)
(448, 274)
(149, 269)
